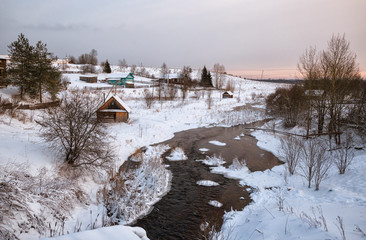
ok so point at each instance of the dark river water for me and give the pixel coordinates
(185, 207)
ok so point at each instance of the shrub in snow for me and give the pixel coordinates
(290, 151)
(343, 157)
(315, 161)
(213, 161)
(127, 193)
(237, 165)
(177, 154)
(31, 201)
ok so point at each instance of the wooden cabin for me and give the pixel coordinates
(171, 78)
(113, 110)
(3, 60)
(121, 79)
(89, 78)
(227, 94)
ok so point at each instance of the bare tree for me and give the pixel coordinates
(133, 69)
(310, 69)
(291, 150)
(149, 98)
(186, 80)
(339, 67)
(73, 130)
(219, 70)
(344, 156)
(164, 71)
(171, 91)
(209, 99)
(122, 64)
(322, 164)
(311, 151)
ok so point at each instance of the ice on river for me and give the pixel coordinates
(204, 149)
(217, 143)
(215, 203)
(207, 183)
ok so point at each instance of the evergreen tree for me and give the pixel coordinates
(20, 67)
(206, 79)
(45, 76)
(31, 69)
(107, 67)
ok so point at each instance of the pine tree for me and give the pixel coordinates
(206, 79)
(31, 69)
(107, 67)
(20, 67)
(45, 76)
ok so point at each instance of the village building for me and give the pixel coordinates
(121, 79)
(61, 61)
(89, 78)
(227, 94)
(171, 78)
(113, 110)
(3, 60)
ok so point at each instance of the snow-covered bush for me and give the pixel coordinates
(127, 193)
(28, 202)
(237, 164)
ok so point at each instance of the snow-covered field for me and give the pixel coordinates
(343, 196)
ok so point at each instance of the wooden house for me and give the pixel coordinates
(227, 94)
(89, 78)
(113, 110)
(171, 78)
(3, 60)
(121, 79)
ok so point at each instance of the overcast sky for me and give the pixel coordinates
(241, 34)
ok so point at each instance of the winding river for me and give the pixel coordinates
(181, 212)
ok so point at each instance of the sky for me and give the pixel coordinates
(240, 34)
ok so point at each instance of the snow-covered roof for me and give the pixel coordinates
(118, 75)
(5, 57)
(170, 76)
(229, 92)
(122, 103)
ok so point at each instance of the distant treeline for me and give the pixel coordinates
(289, 81)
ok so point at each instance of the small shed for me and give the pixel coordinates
(113, 110)
(227, 94)
(122, 79)
(89, 78)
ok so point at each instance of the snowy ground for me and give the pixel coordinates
(20, 143)
(302, 211)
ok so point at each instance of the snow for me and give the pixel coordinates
(339, 195)
(110, 233)
(204, 149)
(213, 161)
(217, 143)
(122, 103)
(207, 183)
(237, 138)
(177, 155)
(215, 203)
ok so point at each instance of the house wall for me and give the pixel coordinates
(227, 96)
(89, 79)
(110, 117)
(2, 70)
